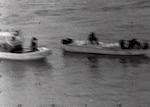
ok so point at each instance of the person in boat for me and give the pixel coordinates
(123, 44)
(134, 44)
(92, 38)
(145, 45)
(34, 44)
(17, 43)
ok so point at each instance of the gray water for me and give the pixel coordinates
(70, 79)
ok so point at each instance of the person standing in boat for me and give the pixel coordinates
(34, 44)
(92, 38)
(124, 44)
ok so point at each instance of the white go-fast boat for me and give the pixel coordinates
(82, 46)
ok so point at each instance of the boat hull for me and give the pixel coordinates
(42, 52)
(93, 49)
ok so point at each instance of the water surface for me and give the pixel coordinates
(71, 79)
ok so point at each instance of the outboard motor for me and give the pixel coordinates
(66, 41)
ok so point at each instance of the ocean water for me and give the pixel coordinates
(71, 79)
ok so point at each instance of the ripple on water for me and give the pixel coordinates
(54, 12)
(140, 4)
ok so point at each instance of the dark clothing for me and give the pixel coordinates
(122, 44)
(134, 44)
(93, 39)
(34, 44)
(66, 41)
(145, 46)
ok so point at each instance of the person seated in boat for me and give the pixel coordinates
(145, 45)
(123, 44)
(92, 38)
(134, 44)
(34, 44)
(17, 44)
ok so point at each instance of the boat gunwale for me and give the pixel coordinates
(42, 53)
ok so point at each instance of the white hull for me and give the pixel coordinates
(41, 53)
(96, 49)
